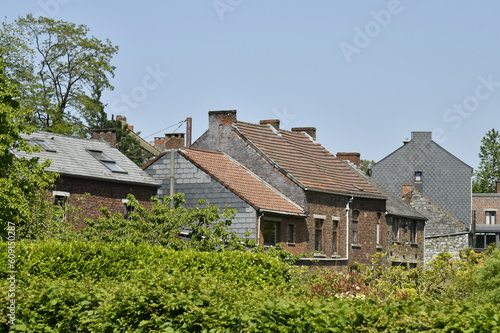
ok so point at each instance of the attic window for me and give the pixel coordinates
(106, 160)
(41, 143)
(418, 176)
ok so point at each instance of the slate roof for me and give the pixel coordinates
(241, 181)
(70, 156)
(394, 205)
(446, 179)
(307, 161)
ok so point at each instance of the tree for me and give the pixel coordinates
(365, 165)
(21, 179)
(489, 166)
(60, 69)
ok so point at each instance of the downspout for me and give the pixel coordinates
(172, 173)
(257, 237)
(347, 222)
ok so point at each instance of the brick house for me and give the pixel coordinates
(437, 184)
(342, 209)
(486, 227)
(91, 174)
(221, 181)
(403, 239)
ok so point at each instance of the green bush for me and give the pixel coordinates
(489, 277)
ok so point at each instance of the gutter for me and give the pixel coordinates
(282, 213)
(445, 235)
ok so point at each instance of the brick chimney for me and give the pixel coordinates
(497, 186)
(405, 188)
(354, 158)
(105, 135)
(174, 140)
(273, 122)
(309, 130)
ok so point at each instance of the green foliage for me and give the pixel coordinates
(61, 71)
(122, 287)
(489, 277)
(489, 166)
(20, 178)
(204, 229)
(366, 165)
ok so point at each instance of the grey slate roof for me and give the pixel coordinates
(446, 180)
(72, 158)
(394, 205)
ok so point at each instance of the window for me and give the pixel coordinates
(60, 199)
(485, 239)
(290, 233)
(41, 143)
(334, 234)
(318, 234)
(490, 217)
(418, 176)
(354, 227)
(413, 232)
(395, 229)
(127, 209)
(107, 161)
(270, 232)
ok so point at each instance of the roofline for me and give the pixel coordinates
(282, 212)
(105, 179)
(409, 216)
(347, 194)
(452, 234)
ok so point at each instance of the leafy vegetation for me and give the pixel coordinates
(489, 166)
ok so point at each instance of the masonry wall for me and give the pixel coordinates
(482, 202)
(300, 237)
(196, 185)
(403, 251)
(443, 233)
(88, 196)
(371, 212)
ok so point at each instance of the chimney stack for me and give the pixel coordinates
(311, 131)
(106, 135)
(221, 118)
(174, 140)
(405, 188)
(273, 122)
(497, 186)
(354, 158)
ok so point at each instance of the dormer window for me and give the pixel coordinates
(106, 160)
(418, 176)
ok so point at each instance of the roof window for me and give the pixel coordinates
(106, 160)
(41, 143)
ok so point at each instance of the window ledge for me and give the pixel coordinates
(356, 245)
(320, 255)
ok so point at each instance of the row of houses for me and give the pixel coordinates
(288, 189)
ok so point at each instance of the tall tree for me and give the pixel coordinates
(61, 71)
(489, 166)
(20, 178)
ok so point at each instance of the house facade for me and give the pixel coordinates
(342, 209)
(441, 190)
(91, 175)
(485, 208)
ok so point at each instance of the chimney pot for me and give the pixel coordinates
(309, 130)
(354, 158)
(273, 122)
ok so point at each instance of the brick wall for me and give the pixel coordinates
(482, 202)
(88, 195)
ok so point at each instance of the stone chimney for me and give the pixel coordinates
(405, 188)
(309, 130)
(273, 122)
(105, 135)
(174, 140)
(354, 158)
(221, 118)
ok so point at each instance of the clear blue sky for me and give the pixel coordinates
(364, 73)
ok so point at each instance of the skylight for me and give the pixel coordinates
(41, 143)
(106, 161)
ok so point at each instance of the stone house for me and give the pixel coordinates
(91, 174)
(342, 209)
(486, 227)
(437, 184)
(262, 212)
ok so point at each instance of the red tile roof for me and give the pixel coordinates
(241, 181)
(306, 160)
